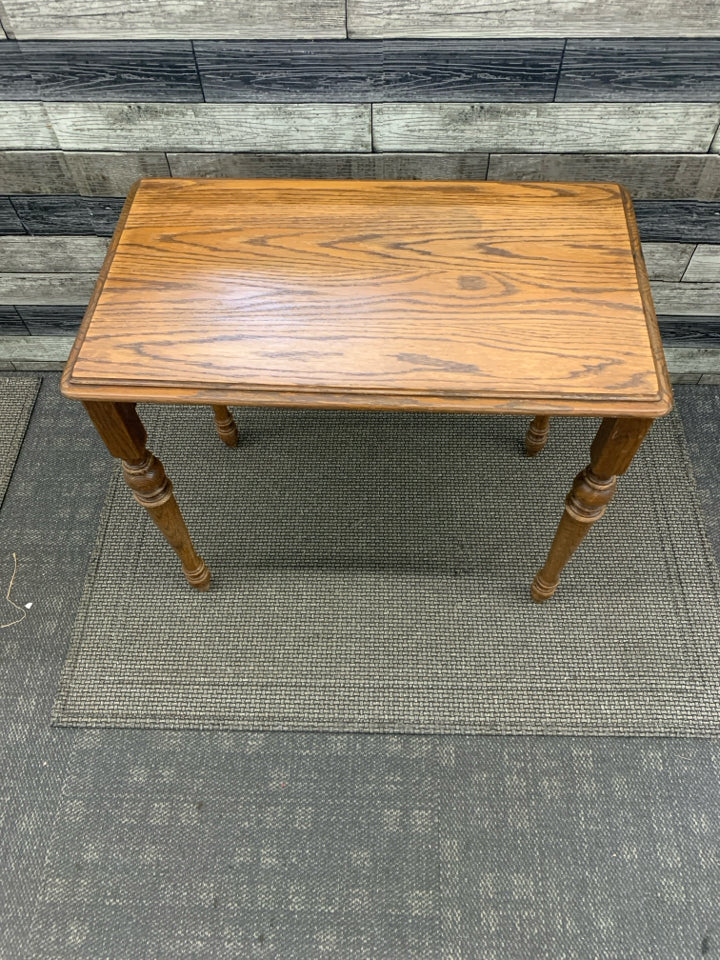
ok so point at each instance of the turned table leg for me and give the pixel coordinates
(225, 426)
(124, 435)
(611, 453)
(536, 437)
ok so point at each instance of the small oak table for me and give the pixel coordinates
(517, 298)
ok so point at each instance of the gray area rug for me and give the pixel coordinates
(17, 399)
(371, 573)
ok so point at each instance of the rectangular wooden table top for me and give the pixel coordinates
(475, 297)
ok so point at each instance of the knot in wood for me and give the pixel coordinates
(589, 496)
(148, 481)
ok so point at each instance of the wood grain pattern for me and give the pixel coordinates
(332, 166)
(667, 261)
(686, 299)
(10, 323)
(51, 254)
(691, 331)
(51, 320)
(694, 360)
(54, 215)
(485, 296)
(532, 18)
(25, 125)
(107, 174)
(704, 265)
(679, 220)
(174, 19)
(668, 127)
(640, 69)
(9, 220)
(48, 288)
(646, 176)
(401, 70)
(207, 126)
(35, 171)
(82, 70)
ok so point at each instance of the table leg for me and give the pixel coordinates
(225, 425)
(611, 453)
(124, 435)
(536, 437)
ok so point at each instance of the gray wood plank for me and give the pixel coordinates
(683, 299)
(698, 360)
(9, 220)
(25, 125)
(51, 254)
(64, 214)
(709, 378)
(174, 19)
(647, 176)
(89, 174)
(348, 166)
(208, 126)
(10, 323)
(676, 70)
(667, 261)
(676, 378)
(70, 288)
(43, 320)
(35, 171)
(99, 70)
(704, 265)
(532, 18)
(19, 349)
(690, 331)
(396, 70)
(679, 220)
(570, 127)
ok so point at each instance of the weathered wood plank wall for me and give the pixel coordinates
(96, 93)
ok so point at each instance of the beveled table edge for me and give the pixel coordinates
(651, 406)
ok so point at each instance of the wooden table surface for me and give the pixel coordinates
(476, 297)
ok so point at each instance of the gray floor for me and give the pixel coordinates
(152, 844)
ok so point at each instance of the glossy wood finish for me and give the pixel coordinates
(475, 297)
(611, 453)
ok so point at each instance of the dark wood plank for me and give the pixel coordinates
(10, 222)
(51, 320)
(104, 212)
(646, 70)
(95, 70)
(690, 331)
(399, 70)
(51, 215)
(679, 220)
(10, 323)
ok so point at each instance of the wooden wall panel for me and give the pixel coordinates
(679, 220)
(679, 69)
(210, 126)
(545, 127)
(532, 18)
(46, 288)
(25, 125)
(389, 70)
(10, 222)
(667, 261)
(647, 176)
(52, 254)
(704, 265)
(342, 166)
(173, 19)
(686, 299)
(137, 71)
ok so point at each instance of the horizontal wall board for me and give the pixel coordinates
(647, 127)
(679, 220)
(51, 254)
(112, 174)
(35, 348)
(173, 19)
(10, 323)
(693, 359)
(399, 70)
(690, 332)
(36, 171)
(704, 265)
(54, 215)
(624, 70)
(9, 220)
(686, 299)
(647, 176)
(95, 70)
(72, 288)
(530, 18)
(371, 166)
(104, 212)
(667, 261)
(54, 320)
(208, 126)
(25, 125)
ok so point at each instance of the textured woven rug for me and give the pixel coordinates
(17, 399)
(372, 571)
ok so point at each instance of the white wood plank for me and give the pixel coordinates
(53, 288)
(210, 126)
(667, 261)
(174, 19)
(532, 18)
(25, 124)
(686, 299)
(571, 127)
(679, 176)
(24, 255)
(704, 265)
